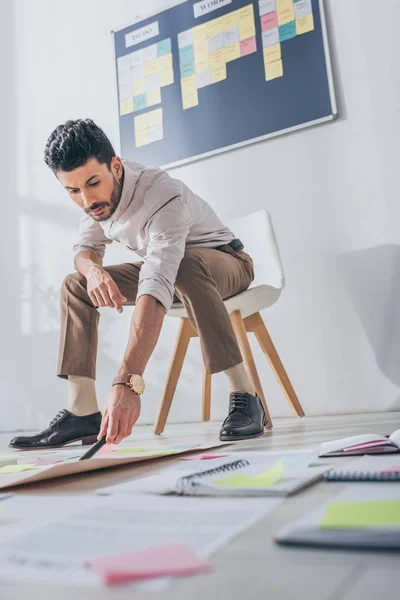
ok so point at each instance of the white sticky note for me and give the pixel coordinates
(156, 133)
(124, 85)
(136, 58)
(270, 37)
(153, 82)
(124, 63)
(150, 53)
(137, 73)
(203, 79)
(215, 42)
(185, 38)
(267, 6)
(302, 8)
(231, 36)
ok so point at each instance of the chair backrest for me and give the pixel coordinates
(258, 236)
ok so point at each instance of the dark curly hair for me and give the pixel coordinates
(72, 144)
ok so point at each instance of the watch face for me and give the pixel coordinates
(137, 384)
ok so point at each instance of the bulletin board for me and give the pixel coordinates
(206, 77)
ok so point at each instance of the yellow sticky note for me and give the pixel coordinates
(218, 74)
(305, 24)
(380, 513)
(247, 28)
(139, 87)
(141, 122)
(200, 33)
(164, 63)
(151, 67)
(217, 59)
(201, 56)
(272, 53)
(273, 70)
(154, 97)
(230, 20)
(215, 27)
(166, 78)
(156, 117)
(157, 452)
(285, 10)
(142, 138)
(190, 96)
(126, 106)
(232, 52)
(9, 469)
(122, 451)
(261, 481)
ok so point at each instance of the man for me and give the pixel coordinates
(189, 256)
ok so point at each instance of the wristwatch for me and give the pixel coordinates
(134, 382)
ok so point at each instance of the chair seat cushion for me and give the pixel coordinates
(249, 302)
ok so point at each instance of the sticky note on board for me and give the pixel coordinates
(166, 78)
(154, 97)
(273, 70)
(10, 469)
(142, 138)
(139, 87)
(155, 117)
(200, 33)
(185, 38)
(305, 25)
(126, 107)
(247, 28)
(287, 32)
(302, 8)
(272, 53)
(190, 97)
(156, 133)
(201, 56)
(285, 11)
(164, 63)
(217, 59)
(219, 74)
(203, 79)
(248, 46)
(151, 67)
(141, 122)
(232, 52)
(269, 21)
(261, 481)
(215, 27)
(352, 515)
(164, 47)
(230, 20)
(270, 37)
(266, 6)
(140, 102)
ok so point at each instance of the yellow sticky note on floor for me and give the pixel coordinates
(126, 107)
(272, 53)
(9, 469)
(273, 70)
(285, 10)
(167, 78)
(218, 74)
(232, 52)
(260, 481)
(154, 97)
(141, 122)
(155, 117)
(247, 27)
(305, 24)
(380, 513)
(139, 87)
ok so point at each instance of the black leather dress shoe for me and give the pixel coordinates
(65, 428)
(246, 418)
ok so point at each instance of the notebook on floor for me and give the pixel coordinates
(362, 516)
(369, 443)
(367, 468)
(234, 475)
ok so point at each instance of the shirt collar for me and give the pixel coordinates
(128, 189)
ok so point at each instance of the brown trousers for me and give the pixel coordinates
(205, 278)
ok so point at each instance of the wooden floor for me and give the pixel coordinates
(252, 566)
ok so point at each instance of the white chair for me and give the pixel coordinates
(257, 234)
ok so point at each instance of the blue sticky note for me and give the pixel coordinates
(140, 102)
(164, 47)
(287, 31)
(186, 61)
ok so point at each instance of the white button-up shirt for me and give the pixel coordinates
(157, 218)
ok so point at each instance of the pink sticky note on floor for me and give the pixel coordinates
(160, 561)
(248, 46)
(203, 457)
(269, 21)
(107, 449)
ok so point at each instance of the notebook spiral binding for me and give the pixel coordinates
(187, 485)
(361, 476)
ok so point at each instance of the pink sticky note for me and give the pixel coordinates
(203, 457)
(107, 449)
(46, 463)
(160, 561)
(248, 46)
(269, 21)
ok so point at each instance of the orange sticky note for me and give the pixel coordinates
(171, 560)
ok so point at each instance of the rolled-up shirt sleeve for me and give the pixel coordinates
(91, 237)
(167, 234)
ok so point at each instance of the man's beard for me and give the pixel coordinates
(112, 203)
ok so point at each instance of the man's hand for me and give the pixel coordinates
(102, 289)
(121, 412)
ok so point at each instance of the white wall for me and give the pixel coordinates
(332, 191)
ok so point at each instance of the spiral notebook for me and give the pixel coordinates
(367, 468)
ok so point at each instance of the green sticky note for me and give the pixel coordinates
(140, 451)
(261, 481)
(8, 469)
(380, 513)
(128, 450)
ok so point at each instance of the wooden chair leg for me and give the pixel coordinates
(182, 343)
(206, 395)
(269, 349)
(248, 359)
